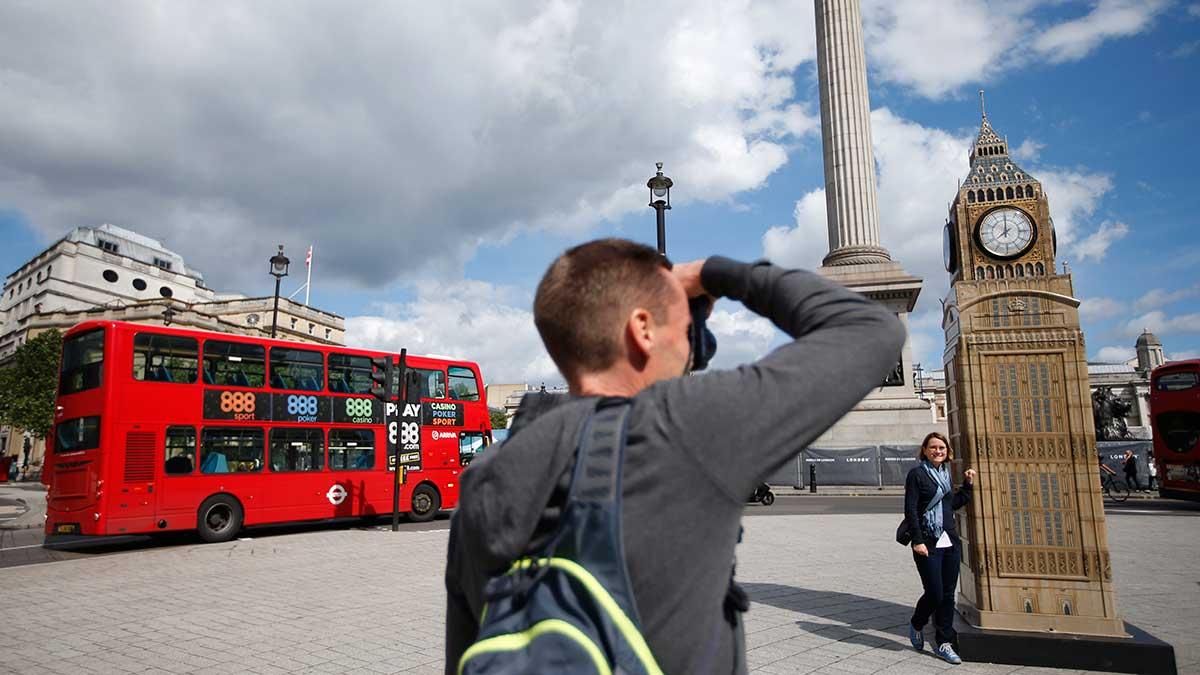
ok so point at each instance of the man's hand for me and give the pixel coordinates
(920, 549)
(969, 475)
(688, 274)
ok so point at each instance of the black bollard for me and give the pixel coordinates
(812, 478)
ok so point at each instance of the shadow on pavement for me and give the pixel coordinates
(846, 616)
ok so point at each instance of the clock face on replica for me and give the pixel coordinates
(1005, 233)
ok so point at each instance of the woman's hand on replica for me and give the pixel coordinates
(969, 475)
(921, 549)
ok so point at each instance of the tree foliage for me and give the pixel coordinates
(29, 382)
(499, 418)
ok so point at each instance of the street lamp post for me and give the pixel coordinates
(279, 270)
(168, 315)
(660, 201)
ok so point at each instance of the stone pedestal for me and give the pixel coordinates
(891, 414)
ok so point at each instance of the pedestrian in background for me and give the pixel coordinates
(614, 316)
(1130, 466)
(929, 505)
(1153, 469)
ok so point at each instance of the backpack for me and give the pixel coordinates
(569, 607)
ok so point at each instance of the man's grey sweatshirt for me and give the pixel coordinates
(697, 446)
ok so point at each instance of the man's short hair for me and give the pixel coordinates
(586, 296)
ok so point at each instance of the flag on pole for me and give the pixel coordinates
(308, 258)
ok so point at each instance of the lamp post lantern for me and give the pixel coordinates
(279, 270)
(660, 201)
(168, 315)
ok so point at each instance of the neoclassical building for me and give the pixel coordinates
(1130, 381)
(111, 273)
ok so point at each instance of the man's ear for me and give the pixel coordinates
(639, 329)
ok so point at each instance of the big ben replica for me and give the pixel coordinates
(1019, 411)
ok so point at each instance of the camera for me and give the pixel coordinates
(704, 343)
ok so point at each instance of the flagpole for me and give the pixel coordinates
(308, 281)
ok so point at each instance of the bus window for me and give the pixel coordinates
(469, 444)
(82, 362)
(1176, 381)
(1180, 429)
(433, 383)
(230, 450)
(181, 450)
(296, 369)
(462, 384)
(81, 433)
(351, 449)
(349, 374)
(234, 364)
(164, 358)
(297, 449)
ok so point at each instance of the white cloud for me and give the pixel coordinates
(467, 320)
(1194, 10)
(1185, 50)
(394, 137)
(1157, 298)
(1073, 195)
(934, 47)
(1095, 245)
(1100, 309)
(1075, 39)
(1114, 354)
(1161, 323)
(742, 336)
(1185, 355)
(1028, 150)
(805, 244)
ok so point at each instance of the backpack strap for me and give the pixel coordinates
(590, 527)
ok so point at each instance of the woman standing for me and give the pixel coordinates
(929, 504)
(1129, 462)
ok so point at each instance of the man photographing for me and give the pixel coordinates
(614, 317)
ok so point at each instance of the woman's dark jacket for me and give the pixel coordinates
(919, 490)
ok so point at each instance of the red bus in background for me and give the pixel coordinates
(1175, 421)
(160, 429)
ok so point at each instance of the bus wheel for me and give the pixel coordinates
(219, 518)
(425, 503)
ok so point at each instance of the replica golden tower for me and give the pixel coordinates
(1020, 412)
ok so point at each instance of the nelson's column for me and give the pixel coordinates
(893, 413)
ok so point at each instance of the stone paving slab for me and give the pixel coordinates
(831, 595)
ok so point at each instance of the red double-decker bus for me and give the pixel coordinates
(1175, 421)
(160, 429)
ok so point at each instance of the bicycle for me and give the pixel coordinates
(1116, 488)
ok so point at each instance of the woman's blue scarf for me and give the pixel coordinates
(932, 520)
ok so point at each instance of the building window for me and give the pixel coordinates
(180, 450)
(139, 284)
(163, 264)
(111, 276)
(231, 450)
(311, 328)
(108, 246)
(327, 333)
(166, 292)
(293, 323)
(297, 449)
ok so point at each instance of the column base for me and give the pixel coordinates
(856, 255)
(1138, 653)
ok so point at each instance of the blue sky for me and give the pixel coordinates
(439, 157)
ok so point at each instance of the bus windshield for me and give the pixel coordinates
(82, 362)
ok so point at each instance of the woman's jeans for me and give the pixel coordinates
(939, 577)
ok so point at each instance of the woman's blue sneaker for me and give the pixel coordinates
(946, 653)
(916, 637)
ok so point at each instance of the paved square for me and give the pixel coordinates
(831, 595)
